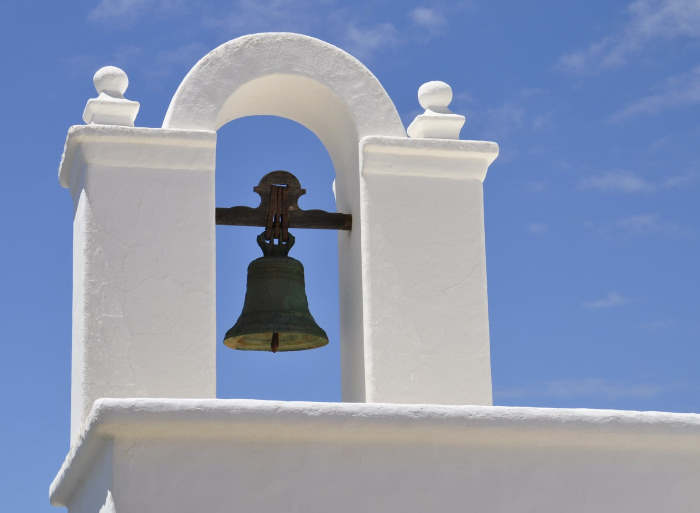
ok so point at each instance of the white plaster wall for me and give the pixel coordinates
(222, 456)
(426, 312)
(267, 476)
(79, 402)
(94, 494)
(144, 264)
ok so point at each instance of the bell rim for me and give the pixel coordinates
(236, 342)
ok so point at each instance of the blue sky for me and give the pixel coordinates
(592, 216)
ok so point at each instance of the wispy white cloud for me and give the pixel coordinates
(641, 223)
(648, 21)
(511, 116)
(678, 91)
(129, 10)
(530, 92)
(183, 57)
(504, 119)
(125, 56)
(611, 300)
(132, 58)
(538, 186)
(629, 182)
(594, 388)
(110, 9)
(428, 18)
(363, 41)
(82, 65)
(462, 97)
(658, 324)
(537, 228)
(646, 224)
(678, 181)
(597, 387)
(617, 181)
(498, 124)
(541, 121)
(248, 16)
(354, 33)
(353, 28)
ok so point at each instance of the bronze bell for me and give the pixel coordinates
(275, 314)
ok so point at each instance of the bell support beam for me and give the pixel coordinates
(294, 217)
(143, 264)
(318, 219)
(426, 330)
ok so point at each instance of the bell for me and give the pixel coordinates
(275, 314)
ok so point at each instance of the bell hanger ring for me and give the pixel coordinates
(280, 249)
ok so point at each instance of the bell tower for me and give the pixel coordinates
(416, 430)
(414, 322)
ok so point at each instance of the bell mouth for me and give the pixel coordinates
(286, 341)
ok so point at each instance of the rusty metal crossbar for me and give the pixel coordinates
(278, 210)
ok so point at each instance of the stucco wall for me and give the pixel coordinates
(265, 456)
(349, 477)
(143, 264)
(94, 495)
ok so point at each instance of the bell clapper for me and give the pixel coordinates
(275, 343)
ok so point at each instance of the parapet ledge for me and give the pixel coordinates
(479, 426)
(124, 146)
(445, 158)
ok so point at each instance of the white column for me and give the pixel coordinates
(143, 262)
(426, 325)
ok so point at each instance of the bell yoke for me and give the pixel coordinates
(275, 314)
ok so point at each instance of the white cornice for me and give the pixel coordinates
(124, 146)
(483, 426)
(447, 158)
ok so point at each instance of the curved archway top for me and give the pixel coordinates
(289, 75)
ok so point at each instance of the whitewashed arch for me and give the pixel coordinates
(329, 92)
(296, 77)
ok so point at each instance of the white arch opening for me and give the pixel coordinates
(324, 89)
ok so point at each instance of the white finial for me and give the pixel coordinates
(111, 80)
(110, 107)
(438, 121)
(435, 96)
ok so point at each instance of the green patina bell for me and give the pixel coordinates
(275, 314)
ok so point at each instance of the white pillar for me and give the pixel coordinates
(426, 325)
(144, 258)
